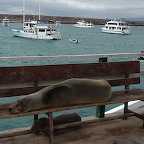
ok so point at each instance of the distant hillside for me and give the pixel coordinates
(67, 20)
(136, 19)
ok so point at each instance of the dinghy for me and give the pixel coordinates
(74, 40)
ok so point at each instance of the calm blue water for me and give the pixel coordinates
(92, 41)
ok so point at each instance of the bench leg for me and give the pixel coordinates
(100, 111)
(125, 109)
(143, 124)
(51, 132)
(35, 117)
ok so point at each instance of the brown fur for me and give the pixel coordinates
(69, 92)
(41, 125)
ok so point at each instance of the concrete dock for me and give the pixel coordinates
(118, 131)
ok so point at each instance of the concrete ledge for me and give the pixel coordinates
(118, 131)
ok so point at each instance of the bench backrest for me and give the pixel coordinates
(21, 80)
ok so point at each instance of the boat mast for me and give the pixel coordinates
(39, 9)
(23, 12)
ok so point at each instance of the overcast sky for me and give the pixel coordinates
(77, 8)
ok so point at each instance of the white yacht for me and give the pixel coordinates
(83, 24)
(5, 22)
(37, 30)
(116, 27)
(41, 29)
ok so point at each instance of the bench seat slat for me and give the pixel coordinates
(117, 97)
(18, 91)
(9, 92)
(65, 71)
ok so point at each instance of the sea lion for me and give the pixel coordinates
(73, 91)
(42, 125)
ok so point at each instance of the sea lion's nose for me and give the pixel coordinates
(10, 109)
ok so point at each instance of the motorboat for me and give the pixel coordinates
(5, 22)
(141, 57)
(74, 40)
(83, 24)
(116, 27)
(58, 23)
(38, 30)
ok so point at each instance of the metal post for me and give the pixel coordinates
(51, 130)
(100, 111)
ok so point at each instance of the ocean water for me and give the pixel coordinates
(92, 41)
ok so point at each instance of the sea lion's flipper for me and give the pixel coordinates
(57, 90)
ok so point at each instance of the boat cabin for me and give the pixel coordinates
(29, 25)
(44, 30)
(120, 23)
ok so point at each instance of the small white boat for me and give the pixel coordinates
(83, 24)
(58, 23)
(5, 22)
(74, 40)
(141, 57)
(116, 27)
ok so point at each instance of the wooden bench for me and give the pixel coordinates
(22, 80)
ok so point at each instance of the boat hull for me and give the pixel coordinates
(83, 26)
(74, 40)
(115, 31)
(22, 34)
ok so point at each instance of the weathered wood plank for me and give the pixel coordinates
(122, 82)
(10, 92)
(15, 132)
(65, 71)
(93, 121)
(117, 97)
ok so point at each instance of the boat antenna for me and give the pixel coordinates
(23, 11)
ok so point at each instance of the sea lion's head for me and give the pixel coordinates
(21, 105)
(40, 125)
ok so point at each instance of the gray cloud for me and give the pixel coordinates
(76, 8)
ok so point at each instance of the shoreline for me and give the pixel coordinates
(64, 20)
